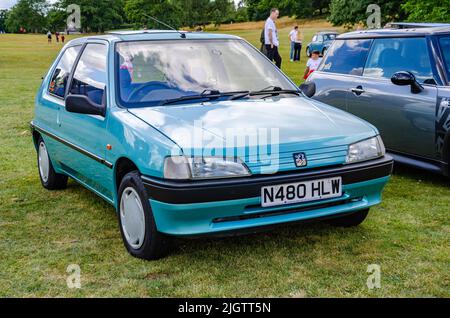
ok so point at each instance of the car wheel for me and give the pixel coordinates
(308, 52)
(137, 224)
(49, 178)
(350, 220)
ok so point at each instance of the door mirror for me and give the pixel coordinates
(81, 104)
(404, 78)
(308, 89)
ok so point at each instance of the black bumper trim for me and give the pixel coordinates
(250, 187)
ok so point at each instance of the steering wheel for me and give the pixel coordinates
(145, 88)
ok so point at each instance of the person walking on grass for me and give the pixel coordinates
(271, 38)
(312, 64)
(293, 38)
(63, 38)
(49, 37)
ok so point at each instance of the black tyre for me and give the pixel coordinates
(136, 221)
(308, 52)
(350, 220)
(49, 178)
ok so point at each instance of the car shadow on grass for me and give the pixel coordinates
(420, 175)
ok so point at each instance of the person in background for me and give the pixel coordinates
(57, 37)
(312, 64)
(298, 46)
(293, 38)
(63, 38)
(271, 38)
(49, 37)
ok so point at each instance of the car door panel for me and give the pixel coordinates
(332, 88)
(405, 120)
(86, 134)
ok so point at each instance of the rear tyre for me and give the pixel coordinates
(49, 178)
(137, 224)
(308, 52)
(350, 220)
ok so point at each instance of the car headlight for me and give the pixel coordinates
(366, 150)
(189, 168)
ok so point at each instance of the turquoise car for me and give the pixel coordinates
(193, 134)
(321, 42)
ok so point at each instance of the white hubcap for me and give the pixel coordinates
(44, 163)
(132, 218)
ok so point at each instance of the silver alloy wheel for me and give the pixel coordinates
(132, 218)
(44, 162)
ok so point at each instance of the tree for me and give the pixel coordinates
(427, 11)
(27, 14)
(3, 17)
(97, 16)
(137, 12)
(349, 12)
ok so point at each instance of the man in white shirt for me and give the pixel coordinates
(293, 37)
(271, 38)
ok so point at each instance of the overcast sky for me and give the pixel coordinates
(6, 4)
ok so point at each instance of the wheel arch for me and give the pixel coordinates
(36, 136)
(122, 167)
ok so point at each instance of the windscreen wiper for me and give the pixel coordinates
(207, 95)
(271, 90)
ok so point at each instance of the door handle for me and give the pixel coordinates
(358, 90)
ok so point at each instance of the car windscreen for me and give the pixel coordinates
(151, 73)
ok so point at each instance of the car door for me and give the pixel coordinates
(406, 120)
(340, 70)
(52, 100)
(86, 134)
(443, 100)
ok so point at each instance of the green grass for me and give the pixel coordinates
(42, 232)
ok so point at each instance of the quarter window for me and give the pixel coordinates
(60, 76)
(389, 56)
(90, 74)
(346, 57)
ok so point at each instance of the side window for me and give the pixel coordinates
(320, 38)
(60, 76)
(90, 74)
(346, 57)
(389, 56)
(314, 39)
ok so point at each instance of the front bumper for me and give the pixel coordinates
(221, 206)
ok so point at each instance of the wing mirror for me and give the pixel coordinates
(404, 78)
(81, 104)
(308, 89)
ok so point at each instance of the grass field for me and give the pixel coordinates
(42, 232)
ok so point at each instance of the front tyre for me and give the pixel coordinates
(49, 178)
(350, 220)
(137, 224)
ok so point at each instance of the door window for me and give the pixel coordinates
(346, 57)
(388, 56)
(445, 49)
(60, 76)
(90, 74)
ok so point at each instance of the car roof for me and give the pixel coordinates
(396, 32)
(142, 35)
(328, 32)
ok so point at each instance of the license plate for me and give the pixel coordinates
(301, 192)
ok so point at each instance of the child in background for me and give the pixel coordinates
(312, 64)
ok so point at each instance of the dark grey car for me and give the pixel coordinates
(398, 80)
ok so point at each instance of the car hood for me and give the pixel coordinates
(295, 124)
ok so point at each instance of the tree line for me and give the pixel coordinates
(101, 15)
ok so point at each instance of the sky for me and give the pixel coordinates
(6, 4)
